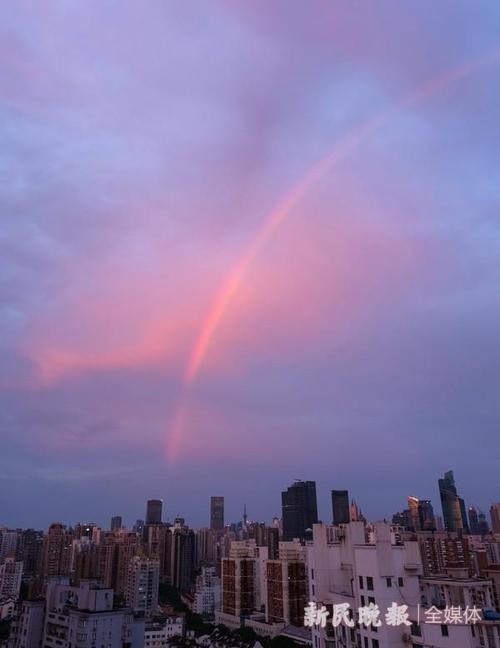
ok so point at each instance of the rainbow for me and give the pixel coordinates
(278, 215)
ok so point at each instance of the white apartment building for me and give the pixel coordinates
(207, 593)
(455, 592)
(347, 565)
(143, 580)
(11, 574)
(83, 617)
(345, 568)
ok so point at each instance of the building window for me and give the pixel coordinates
(369, 583)
(366, 642)
(388, 582)
(374, 643)
(312, 574)
(361, 582)
(444, 630)
(401, 581)
(362, 601)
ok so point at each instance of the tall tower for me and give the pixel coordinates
(245, 516)
(420, 514)
(300, 509)
(454, 515)
(116, 523)
(340, 507)
(217, 513)
(473, 520)
(182, 556)
(153, 511)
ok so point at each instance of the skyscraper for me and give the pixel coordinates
(216, 513)
(473, 520)
(182, 556)
(413, 516)
(116, 523)
(483, 525)
(300, 509)
(340, 507)
(454, 515)
(153, 511)
(420, 515)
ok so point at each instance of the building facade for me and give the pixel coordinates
(299, 510)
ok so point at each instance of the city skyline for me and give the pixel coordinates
(237, 249)
(167, 514)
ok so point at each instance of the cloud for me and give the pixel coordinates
(141, 151)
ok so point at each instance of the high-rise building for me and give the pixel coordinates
(300, 509)
(217, 513)
(57, 549)
(473, 520)
(443, 550)
(454, 515)
(31, 552)
(239, 580)
(9, 542)
(286, 585)
(114, 553)
(206, 547)
(138, 527)
(272, 542)
(495, 517)
(420, 515)
(84, 530)
(85, 615)
(142, 585)
(27, 627)
(116, 523)
(207, 592)
(153, 511)
(344, 565)
(181, 556)
(482, 523)
(85, 561)
(356, 514)
(11, 573)
(341, 513)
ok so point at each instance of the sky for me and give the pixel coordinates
(243, 243)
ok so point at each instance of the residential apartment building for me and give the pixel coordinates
(143, 581)
(84, 617)
(286, 585)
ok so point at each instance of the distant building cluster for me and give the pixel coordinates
(161, 584)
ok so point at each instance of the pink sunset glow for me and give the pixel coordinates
(232, 226)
